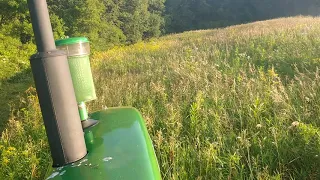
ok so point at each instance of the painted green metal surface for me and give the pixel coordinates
(119, 147)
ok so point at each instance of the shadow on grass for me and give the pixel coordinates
(9, 93)
(290, 67)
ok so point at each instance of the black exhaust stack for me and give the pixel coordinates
(55, 91)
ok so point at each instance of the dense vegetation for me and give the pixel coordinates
(235, 103)
(184, 15)
(105, 22)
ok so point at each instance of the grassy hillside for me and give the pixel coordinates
(235, 103)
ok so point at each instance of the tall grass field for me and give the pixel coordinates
(241, 102)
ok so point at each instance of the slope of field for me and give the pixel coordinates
(236, 103)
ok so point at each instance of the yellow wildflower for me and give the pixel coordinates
(11, 149)
(5, 160)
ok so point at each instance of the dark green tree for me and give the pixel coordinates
(14, 19)
(155, 23)
(182, 15)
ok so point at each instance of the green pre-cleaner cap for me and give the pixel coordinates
(78, 51)
(74, 46)
(70, 41)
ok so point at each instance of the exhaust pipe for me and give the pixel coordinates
(55, 91)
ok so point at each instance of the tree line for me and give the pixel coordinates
(105, 22)
(114, 22)
(182, 15)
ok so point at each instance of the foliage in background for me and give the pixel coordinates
(13, 56)
(183, 15)
(110, 22)
(14, 20)
(106, 23)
